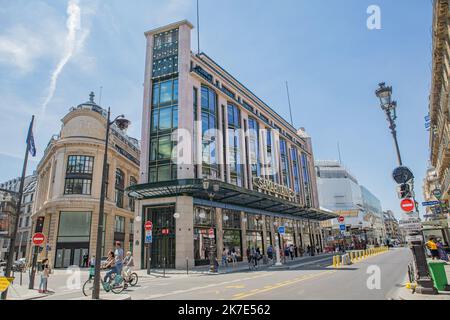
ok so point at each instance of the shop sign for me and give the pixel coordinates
(272, 187)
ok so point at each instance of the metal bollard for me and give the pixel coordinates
(334, 261)
(187, 265)
(164, 270)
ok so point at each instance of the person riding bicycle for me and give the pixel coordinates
(128, 263)
(110, 264)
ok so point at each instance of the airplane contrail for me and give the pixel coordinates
(73, 26)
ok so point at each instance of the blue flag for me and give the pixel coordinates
(30, 140)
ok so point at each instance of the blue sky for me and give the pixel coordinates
(332, 61)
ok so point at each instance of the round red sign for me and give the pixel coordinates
(211, 232)
(341, 219)
(148, 226)
(38, 239)
(407, 205)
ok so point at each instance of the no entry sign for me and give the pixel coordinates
(341, 219)
(38, 239)
(407, 205)
(211, 233)
(148, 226)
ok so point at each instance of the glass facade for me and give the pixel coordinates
(204, 219)
(164, 120)
(234, 147)
(295, 168)
(165, 53)
(254, 147)
(209, 140)
(306, 179)
(285, 172)
(79, 175)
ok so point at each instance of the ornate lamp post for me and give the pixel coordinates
(122, 123)
(424, 282)
(211, 187)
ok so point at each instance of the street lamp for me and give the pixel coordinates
(424, 282)
(211, 187)
(122, 124)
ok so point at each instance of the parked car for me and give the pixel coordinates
(19, 265)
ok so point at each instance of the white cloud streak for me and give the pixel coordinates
(73, 41)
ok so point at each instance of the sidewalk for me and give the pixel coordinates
(240, 266)
(16, 292)
(407, 294)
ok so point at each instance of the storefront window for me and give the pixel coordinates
(231, 219)
(204, 216)
(254, 222)
(74, 227)
(232, 241)
(255, 240)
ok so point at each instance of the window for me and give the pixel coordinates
(284, 163)
(306, 179)
(119, 224)
(74, 227)
(79, 175)
(119, 186)
(131, 203)
(234, 151)
(254, 147)
(209, 123)
(294, 157)
(164, 120)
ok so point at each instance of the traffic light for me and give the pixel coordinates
(39, 224)
(404, 191)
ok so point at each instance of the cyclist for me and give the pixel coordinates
(128, 263)
(110, 263)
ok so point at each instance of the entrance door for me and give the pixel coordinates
(70, 254)
(163, 245)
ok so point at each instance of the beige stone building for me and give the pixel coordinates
(438, 174)
(69, 183)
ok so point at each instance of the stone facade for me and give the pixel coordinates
(69, 182)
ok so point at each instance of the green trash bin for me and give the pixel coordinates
(437, 271)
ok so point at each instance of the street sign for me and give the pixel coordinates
(407, 205)
(402, 175)
(430, 203)
(148, 236)
(38, 239)
(341, 219)
(148, 225)
(281, 230)
(437, 193)
(4, 283)
(211, 233)
(414, 238)
(342, 227)
(165, 231)
(411, 226)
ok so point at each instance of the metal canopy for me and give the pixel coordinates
(229, 194)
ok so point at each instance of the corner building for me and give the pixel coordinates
(215, 156)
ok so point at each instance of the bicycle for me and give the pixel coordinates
(117, 287)
(131, 279)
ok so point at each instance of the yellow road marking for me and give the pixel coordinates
(279, 285)
(235, 287)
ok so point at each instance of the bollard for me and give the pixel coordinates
(164, 270)
(187, 265)
(334, 262)
(352, 257)
(338, 260)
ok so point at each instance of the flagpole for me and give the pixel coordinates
(12, 243)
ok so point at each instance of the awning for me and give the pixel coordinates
(229, 194)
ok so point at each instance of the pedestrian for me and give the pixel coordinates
(270, 253)
(308, 249)
(442, 253)
(118, 255)
(432, 246)
(45, 273)
(287, 253)
(224, 257)
(233, 256)
(291, 251)
(85, 260)
(296, 251)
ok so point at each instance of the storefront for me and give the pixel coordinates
(73, 238)
(237, 226)
(204, 220)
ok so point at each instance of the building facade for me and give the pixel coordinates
(69, 182)
(439, 117)
(216, 160)
(340, 192)
(24, 231)
(392, 228)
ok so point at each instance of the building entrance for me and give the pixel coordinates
(163, 245)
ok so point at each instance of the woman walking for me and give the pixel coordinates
(45, 272)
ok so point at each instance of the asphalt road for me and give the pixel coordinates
(317, 280)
